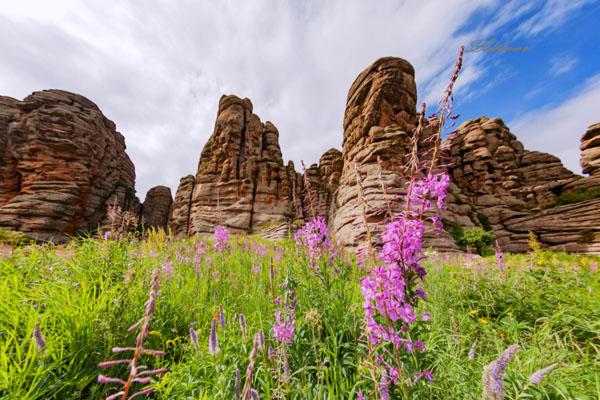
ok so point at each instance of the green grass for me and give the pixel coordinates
(86, 295)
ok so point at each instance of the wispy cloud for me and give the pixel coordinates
(558, 129)
(562, 64)
(552, 15)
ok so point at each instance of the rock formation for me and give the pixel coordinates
(61, 160)
(322, 181)
(179, 216)
(378, 122)
(241, 181)
(590, 150)
(156, 207)
(507, 185)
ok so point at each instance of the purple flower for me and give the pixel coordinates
(593, 266)
(360, 395)
(221, 239)
(493, 374)
(193, 338)
(472, 354)
(243, 325)
(213, 341)
(500, 257)
(167, 269)
(40, 342)
(314, 236)
(537, 376)
(221, 316)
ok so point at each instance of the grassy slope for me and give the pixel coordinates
(86, 296)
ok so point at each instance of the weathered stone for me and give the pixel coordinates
(61, 161)
(241, 181)
(590, 150)
(156, 207)
(179, 217)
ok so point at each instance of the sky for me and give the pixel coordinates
(158, 68)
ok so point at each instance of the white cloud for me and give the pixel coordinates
(551, 16)
(158, 68)
(562, 64)
(558, 129)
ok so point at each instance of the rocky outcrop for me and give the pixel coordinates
(378, 123)
(156, 207)
(179, 216)
(61, 160)
(590, 150)
(507, 185)
(321, 182)
(241, 181)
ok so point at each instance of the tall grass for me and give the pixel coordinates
(85, 296)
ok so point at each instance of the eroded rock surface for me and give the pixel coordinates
(179, 217)
(590, 150)
(61, 160)
(241, 182)
(156, 207)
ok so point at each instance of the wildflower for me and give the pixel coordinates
(360, 395)
(593, 266)
(256, 269)
(247, 391)
(221, 239)
(243, 325)
(40, 342)
(284, 326)
(221, 316)
(493, 374)
(500, 257)
(471, 354)
(237, 384)
(384, 386)
(167, 269)
(213, 341)
(483, 321)
(537, 376)
(315, 237)
(194, 337)
(254, 394)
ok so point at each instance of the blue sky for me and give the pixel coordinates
(556, 65)
(157, 67)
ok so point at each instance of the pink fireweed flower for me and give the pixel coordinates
(593, 266)
(284, 326)
(221, 239)
(314, 236)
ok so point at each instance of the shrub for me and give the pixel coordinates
(484, 221)
(477, 239)
(574, 197)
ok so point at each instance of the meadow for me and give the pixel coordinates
(84, 296)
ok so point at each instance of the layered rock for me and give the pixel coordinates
(241, 181)
(590, 150)
(321, 182)
(179, 216)
(507, 184)
(61, 160)
(156, 207)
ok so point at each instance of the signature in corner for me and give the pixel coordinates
(492, 45)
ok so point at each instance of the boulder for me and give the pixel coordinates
(156, 207)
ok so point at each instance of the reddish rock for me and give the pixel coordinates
(61, 160)
(590, 150)
(322, 182)
(156, 207)
(241, 181)
(179, 217)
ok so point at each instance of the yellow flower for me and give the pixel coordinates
(473, 312)
(483, 321)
